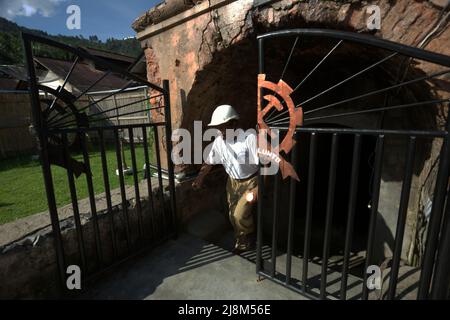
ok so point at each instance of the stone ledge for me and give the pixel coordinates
(180, 18)
(25, 229)
(28, 267)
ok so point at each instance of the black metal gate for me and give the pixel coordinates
(284, 252)
(75, 132)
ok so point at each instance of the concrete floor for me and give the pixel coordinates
(199, 265)
(188, 268)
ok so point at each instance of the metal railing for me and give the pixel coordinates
(68, 129)
(434, 281)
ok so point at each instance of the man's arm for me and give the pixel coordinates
(204, 170)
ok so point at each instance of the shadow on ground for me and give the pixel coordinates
(187, 268)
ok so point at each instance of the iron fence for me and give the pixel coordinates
(280, 262)
(68, 134)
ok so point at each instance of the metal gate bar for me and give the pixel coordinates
(442, 276)
(309, 208)
(436, 216)
(402, 213)
(292, 191)
(351, 214)
(379, 150)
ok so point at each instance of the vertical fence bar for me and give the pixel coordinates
(402, 214)
(90, 186)
(43, 153)
(276, 204)
(441, 278)
(309, 207)
(122, 187)
(329, 214)
(170, 168)
(160, 182)
(149, 181)
(108, 193)
(259, 230)
(136, 182)
(292, 198)
(351, 214)
(74, 199)
(259, 237)
(435, 217)
(374, 210)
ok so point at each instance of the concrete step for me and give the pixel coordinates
(191, 267)
(188, 268)
(214, 228)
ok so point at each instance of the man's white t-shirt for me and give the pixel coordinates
(237, 156)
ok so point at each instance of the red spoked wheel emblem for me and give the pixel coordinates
(282, 90)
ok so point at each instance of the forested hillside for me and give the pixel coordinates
(11, 44)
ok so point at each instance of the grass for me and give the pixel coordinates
(22, 191)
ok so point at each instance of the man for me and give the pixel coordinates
(239, 159)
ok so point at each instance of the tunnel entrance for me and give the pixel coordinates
(338, 84)
(230, 79)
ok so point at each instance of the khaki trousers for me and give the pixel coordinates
(240, 211)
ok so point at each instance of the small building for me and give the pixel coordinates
(51, 72)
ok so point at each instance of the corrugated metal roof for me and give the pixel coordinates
(83, 75)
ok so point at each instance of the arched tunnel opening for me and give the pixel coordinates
(231, 78)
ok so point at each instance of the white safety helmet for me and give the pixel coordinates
(222, 114)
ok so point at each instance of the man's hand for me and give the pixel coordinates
(197, 184)
(252, 195)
